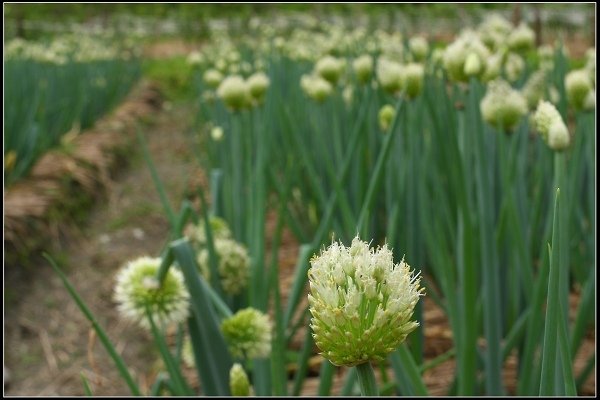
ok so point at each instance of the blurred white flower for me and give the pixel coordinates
(412, 79)
(551, 127)
(330, 68)
(456, 54)
(502, 106)
(258, 84)
(248, 334)
(316, 87)
(578, 85)
(386, 115)
(363, 68)
(389, 75)
(234, 92)
(233, 264)
(521, 39)
(418, 47)
(212, 78)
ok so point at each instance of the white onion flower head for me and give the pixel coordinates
(412, 79)
(330, 68)
(248, 334)
(455, 55)
(590, 63)
(233, 265)
(363, 68)
(258, 84)
(558, 135)
(590, 101)
(514, 67)
(493, 67)
(348, 95)
(418, 47)
(551, 127)
(216, 133)
(502, 106)
(544, 115)
(195, 58)
(386, 115)
(472, 64)
(389, 75)
(234, 92)
(137, 289)
(521, 39)
(578, 85)
(196, 234)
(316, 87)
(361, 302)
(494, 30)
(437, 56)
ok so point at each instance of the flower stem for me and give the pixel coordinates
(366, 379)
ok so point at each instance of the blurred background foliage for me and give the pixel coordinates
(31, 21)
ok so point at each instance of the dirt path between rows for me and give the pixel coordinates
(48, 342)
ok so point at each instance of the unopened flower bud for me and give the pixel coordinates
(238, 381)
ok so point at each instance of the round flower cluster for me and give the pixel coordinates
(391, 46)
(412, 79)
(316, 87)
(248, 334)
(233, 266)
(195, 58)
(579, 86)
(502, 106)
(330, 68)
(361, 302)
(551, 126)
(212, 78)
(418, 47)
(494, 31)
(514, 66)
(218, 227)
(234, 92)
(457, 53)
(590, 63)
(386, 115)
(137, 289)
(493, 66)
(473, 65)
(389, 74)
(258, 84)
(521, 39)
(363, 67)
(216, 133)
